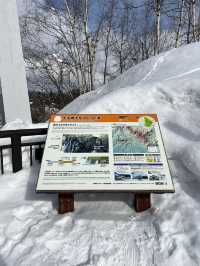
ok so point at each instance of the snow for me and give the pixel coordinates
(20, 124)
(104, 229)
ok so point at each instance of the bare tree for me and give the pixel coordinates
(180, 19)
(191, 22)
(123, 35)
(68, 39)
(146, 38)
(193, 10)
(61, 43)
(157, 7)
(107, 33)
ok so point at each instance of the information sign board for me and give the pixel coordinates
(104, 152)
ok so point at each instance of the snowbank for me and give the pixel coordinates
(104, 229)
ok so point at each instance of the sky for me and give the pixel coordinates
(24, 5)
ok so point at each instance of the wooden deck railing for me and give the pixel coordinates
(16, 145)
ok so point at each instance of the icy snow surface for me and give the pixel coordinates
(104, 229)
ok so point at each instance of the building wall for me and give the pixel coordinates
(12, 68)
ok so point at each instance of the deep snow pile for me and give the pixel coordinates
(104, 229)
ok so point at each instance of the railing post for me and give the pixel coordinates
(31, 155)
(39, 153)
(1, 154)
(16, 153)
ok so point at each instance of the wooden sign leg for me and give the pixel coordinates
(65, 202)
(142, 201)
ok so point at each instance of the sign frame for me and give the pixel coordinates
(97, 118)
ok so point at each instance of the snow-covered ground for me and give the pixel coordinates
(104, 229)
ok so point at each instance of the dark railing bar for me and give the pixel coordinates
(9, 146)
(23, 132)
(16, 153)
(31, 155)
(2, 168)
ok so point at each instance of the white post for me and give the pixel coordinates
(12, 68)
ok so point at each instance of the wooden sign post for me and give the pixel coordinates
(142, 201)
(65, 202)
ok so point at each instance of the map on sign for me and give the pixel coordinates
(134, 139)
(104, 152)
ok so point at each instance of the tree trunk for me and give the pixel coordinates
(193, 3)
(89, 47)
(179, 23)
(189, 24)
(107, 41)
(158, 15)
(105, 65)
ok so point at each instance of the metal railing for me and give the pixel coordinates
(16, 145)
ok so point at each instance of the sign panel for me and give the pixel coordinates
(103, 152)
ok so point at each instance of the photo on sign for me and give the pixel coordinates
(138, 173)
(85, 143)
(134, 139)
(156, 175)
(132, 176)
